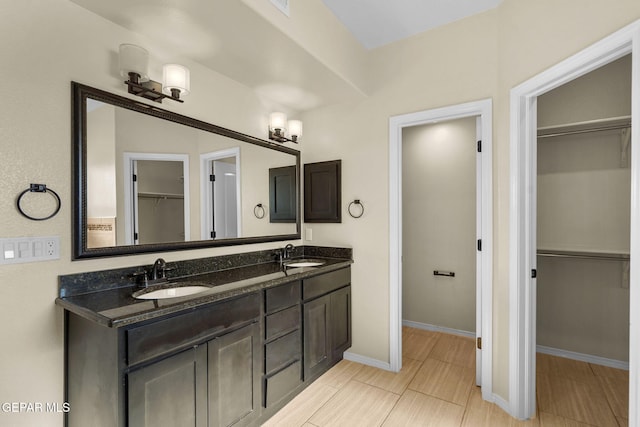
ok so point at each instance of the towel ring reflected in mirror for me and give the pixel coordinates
(258, 211)
(356, 202)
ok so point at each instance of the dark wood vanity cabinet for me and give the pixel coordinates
(200, 369)
(327, 320)
(234, 362)
(282, 342)
(211, 384)
(170, 392)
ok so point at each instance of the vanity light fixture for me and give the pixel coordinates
(279, 127)
(134, 63)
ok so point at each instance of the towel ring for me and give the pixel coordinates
(258, 211)
(38, 188)
(359, 203)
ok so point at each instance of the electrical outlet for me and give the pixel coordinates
(16, 250)
(51, 248)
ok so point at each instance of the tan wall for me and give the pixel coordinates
(439, 224)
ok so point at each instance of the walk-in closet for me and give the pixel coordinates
(583, 222)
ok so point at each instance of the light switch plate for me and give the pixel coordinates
(16, 250)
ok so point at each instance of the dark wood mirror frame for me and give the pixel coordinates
(80, 94)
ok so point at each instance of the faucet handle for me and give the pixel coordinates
(136, 275)
(163, 271)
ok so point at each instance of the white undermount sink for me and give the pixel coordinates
(173, 292)
(304, 263)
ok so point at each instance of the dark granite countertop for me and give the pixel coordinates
(116, 307)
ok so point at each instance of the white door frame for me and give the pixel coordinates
(522, 227)
(484, 263)
(129, 159)
(206, 203)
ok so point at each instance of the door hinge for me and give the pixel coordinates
(213, 234)
(135, 177)
(534, 273)
(480, 244)
(479, 343)
(135, 236)
(212, 178)
(479, 146)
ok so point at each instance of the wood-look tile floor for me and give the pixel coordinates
(436, 387)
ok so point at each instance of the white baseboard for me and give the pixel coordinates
(428, 327)
(596, 360)
(353, 357)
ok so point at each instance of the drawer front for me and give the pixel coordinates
(281, 322)
(314, 287)
(282, 296)
(154, 339)
(282, 351)
(281, 384)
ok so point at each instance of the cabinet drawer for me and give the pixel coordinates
(284, 382)
(154, 339)
(282, 351)
(282, 296)
(282, 321)
(325, 283)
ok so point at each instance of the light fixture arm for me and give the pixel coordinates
(278, 126)
(150, 89)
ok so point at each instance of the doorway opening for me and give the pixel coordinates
(523, 227)
(156, 198)
(480, 112)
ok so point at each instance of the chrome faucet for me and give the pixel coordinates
(286, 252)
(159, 267)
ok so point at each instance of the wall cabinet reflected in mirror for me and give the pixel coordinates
(151, 180)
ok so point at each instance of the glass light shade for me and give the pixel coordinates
(134, 59)
(175, 76)
(278, 121)
(295, 128)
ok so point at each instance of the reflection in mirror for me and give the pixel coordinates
(157, 206)
(150, 180)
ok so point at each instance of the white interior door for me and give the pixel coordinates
(479, 202)
(225, 214)
(220, 194)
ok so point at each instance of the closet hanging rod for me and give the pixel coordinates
(584, 255)
(595, 129)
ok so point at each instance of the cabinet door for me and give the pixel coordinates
(282, 194)
(234, 377)
(323, 191)
(171, 392)
(317, 347)
(340, 322)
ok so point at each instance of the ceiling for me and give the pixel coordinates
(232, 39)
(378, 22)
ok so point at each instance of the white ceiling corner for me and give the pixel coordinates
(375, 23)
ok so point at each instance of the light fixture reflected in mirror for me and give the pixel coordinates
(134, 63)
(279, 128)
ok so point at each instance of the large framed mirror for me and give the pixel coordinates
(149, 180)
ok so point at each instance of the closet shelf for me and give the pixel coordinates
(612, 123)
(160, 196)
(605, 256)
